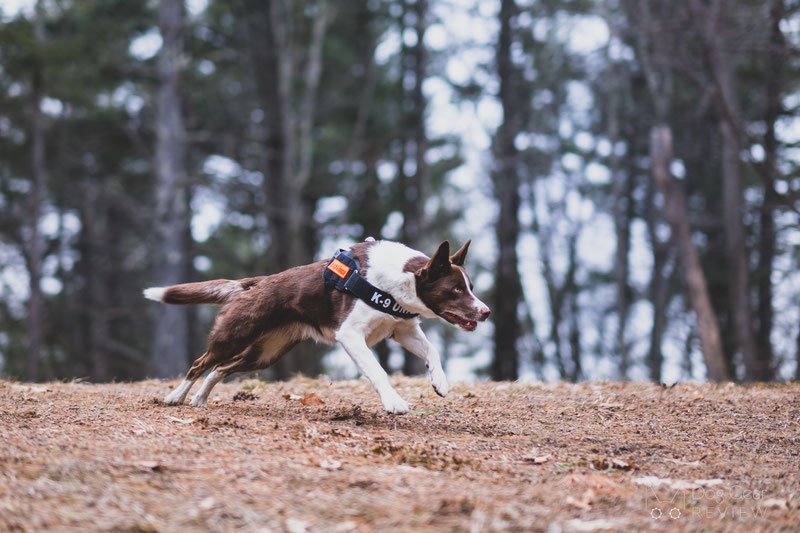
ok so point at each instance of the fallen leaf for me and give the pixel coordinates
(537, 458)
(293, 525)
(621, 464)
(312, 400)
(651, 481)
(708, 482)
(207, 503)
(330, 464)
(676, 484)
(155, 466)
(344, 527)
(30, 388)
(776, 503)
(584, 502)
(611, 464)
(182, 420)
(685, 463)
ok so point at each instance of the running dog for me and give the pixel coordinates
(371, 291)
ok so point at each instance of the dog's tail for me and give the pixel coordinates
(218, 291)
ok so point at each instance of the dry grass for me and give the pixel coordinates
(489, 457)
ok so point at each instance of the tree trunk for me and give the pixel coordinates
(290, 141)
(767, 238)
(416, 191)
(736, 252)
(650, 54)
(32, 245)
(170, 344)
(797, 358)
(678, 218)
(730, 123)
(575, 338)
(658, 289)
(570, 291)
(508, 287)
(97, 288)
(290, 154)
(621, 201)
(366, 98)
(558, 298)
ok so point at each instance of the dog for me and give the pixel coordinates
(369, 292)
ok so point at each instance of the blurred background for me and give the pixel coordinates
(627, 171)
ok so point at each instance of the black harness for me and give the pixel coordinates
(341, 274)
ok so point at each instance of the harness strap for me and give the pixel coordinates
(342, 273)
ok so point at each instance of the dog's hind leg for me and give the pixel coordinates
(178, 394)
(221, 371)
(214, 377)
(203, 363)
(258, 356)
(201, 397)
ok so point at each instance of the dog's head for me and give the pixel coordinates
(444, 286)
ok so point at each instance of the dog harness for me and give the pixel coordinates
(342, 273)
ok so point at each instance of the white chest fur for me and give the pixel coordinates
(386, 262)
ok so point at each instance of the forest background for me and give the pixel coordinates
(626, 169)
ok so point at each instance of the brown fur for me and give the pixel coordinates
(268, 316)
(441, 284)
(216, 291)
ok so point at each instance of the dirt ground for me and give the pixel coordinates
(314, 455)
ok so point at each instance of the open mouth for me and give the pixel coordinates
(463, 323)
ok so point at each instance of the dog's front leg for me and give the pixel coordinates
(356, 347)
(413, 339)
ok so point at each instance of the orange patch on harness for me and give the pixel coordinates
(339, 268)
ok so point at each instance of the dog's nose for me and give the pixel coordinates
(485, 312)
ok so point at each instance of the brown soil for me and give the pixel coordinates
(315, 455)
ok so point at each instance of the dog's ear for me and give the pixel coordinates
(437, 265)
(459, 257)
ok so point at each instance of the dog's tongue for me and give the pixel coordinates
(463, 323)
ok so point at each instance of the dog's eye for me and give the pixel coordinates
(458, 290)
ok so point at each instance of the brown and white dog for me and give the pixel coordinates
(262, 318)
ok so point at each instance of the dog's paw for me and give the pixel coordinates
(395, 405)
(198, 401)
(174, 399)
(439, 382)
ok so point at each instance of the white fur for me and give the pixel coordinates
(478, 305)
(225, 290)
(413, 339)
(155, 293)
(386, 261)
(365, 326)
(201, 397)
(362, 328)
(352, 335)
(178, 395)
